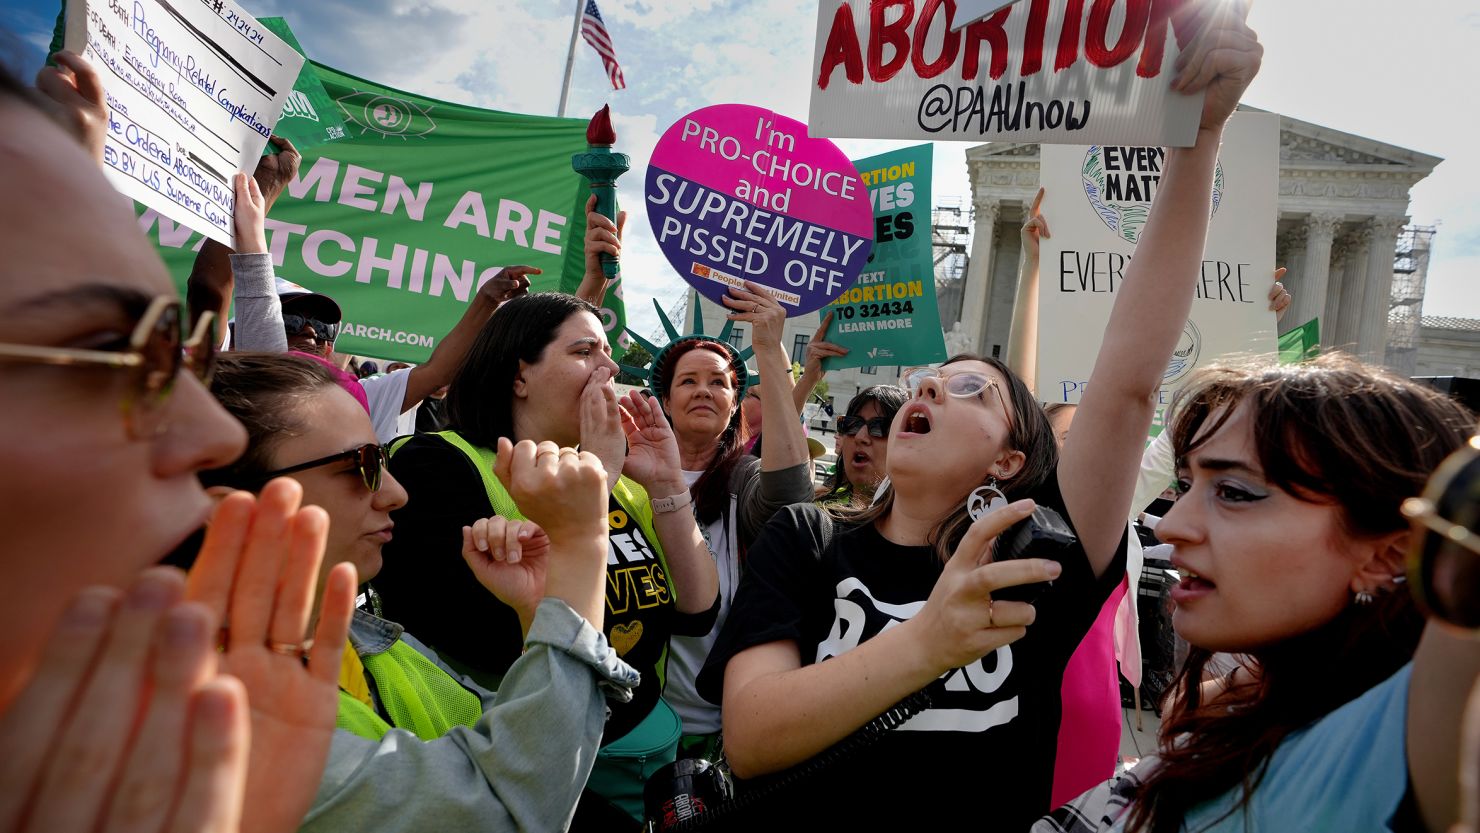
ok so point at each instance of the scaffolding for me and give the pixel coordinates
(950, 229)
(1405, 309)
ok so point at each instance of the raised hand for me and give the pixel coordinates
(602, 237)
(564, 491)
(510, 282)
(1035, 229)
(74, 85)
(249, 215)
(819, 348)
(1279, 297)
(258, 571)
(960, 622)
(764, 312)
(601, 423)
(125, 725)
(276, 170)
(1222, 60)
(507, 556)
(652, 447)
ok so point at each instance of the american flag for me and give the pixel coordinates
(594, 31)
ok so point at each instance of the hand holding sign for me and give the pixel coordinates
(1222, 61)
(276, 170)
(74, 85)
(764, 312)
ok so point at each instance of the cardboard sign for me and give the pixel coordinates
(1097, 201)
(889, 317)
(193, 90)
(1066, 71)
(736, 192)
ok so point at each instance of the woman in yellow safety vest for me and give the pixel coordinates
(474, 759)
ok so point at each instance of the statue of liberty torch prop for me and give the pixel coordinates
(601, 167)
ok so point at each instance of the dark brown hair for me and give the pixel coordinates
(711, 492)
(1030, 434)
(266, 393)
(1330, 431)
(480, 402)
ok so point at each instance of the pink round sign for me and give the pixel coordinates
(737, 192)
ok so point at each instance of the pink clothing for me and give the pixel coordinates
(346, 380)
(1089, 729)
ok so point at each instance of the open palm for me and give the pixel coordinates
(652, 447)
(259, 571)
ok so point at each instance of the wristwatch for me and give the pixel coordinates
(671, 504)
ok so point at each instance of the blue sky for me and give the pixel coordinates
(1395, 73)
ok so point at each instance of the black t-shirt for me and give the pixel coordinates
(427, 587)
(986, 747)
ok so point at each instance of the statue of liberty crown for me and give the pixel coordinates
(653, 372)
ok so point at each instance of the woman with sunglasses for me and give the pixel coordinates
(842, 616)
(1290, 541)
(124, 705)
(541, 370)
(863, 445)
(420, 747)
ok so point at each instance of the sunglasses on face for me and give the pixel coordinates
(157, 351)
(1444, 558)
(961, 385)
(370, 459)
(294, 325)
(878, 427)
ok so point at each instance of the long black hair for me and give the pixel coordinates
(480, 403)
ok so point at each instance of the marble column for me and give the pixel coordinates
(1310, 293)
(978, 290)
(1372, 333)
(1348, 318)
(1335, 280)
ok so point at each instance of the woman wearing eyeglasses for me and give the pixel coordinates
(844, 615)
(863, 445)
(421, 747)
(1291, 544)
(124, 705)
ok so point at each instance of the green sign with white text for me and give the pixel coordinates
(310, 118)
(889, 317)
(416, 207)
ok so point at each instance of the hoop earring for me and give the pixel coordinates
(984, 499)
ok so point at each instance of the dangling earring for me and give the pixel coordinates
(879, 490)
(984, 499)
(1363, 598)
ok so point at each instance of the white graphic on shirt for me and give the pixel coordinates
(850, 598)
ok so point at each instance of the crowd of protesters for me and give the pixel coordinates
(486, 593)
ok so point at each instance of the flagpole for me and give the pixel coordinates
(570, 58)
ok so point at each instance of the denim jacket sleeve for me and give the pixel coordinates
(521, 767)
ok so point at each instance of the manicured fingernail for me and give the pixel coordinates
(92, 608)
(524, 534)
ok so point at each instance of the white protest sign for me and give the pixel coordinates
(1097, 202)
(1065, 71)
(193, 90)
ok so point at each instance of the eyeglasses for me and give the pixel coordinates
(878, 427)
(1444, 559)
(322, 331)
(370, 459)
(960, 385)
(156, 353)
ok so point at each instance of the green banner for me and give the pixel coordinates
(421, 202)
(1301, 343)
(310, 118)
(889, 317)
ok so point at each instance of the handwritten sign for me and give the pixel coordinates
(1098, 200)
(736, 192)
(889, 317)
(1066, 71)
(193, 90)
